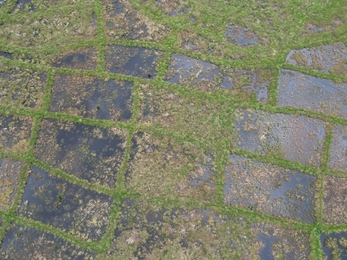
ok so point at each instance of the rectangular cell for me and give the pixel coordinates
(87, 152)
(330, 58)
(23, 242)
(22, 88)
(335, 200)
(338, 149)
(206, 76)
(275, 242)
(184, 114)
(299, 90)
(92, 97)
(67, 206)
(60, 28)
(132, 61)
(9, 180)
(123, 21)
(84, 58)
(294, 138)
(145, 231)
(15, 133)
(270, 189)
(160, 167)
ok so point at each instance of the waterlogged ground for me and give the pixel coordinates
(181, 129)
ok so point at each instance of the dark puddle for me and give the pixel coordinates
(269, 188)
(334, 245)
(92, 97)
(195, 73)
(204, 173)
(296, 181)
(9, 180)
(22, 88)
(23, 5)
(132, 61)
(237, 34)
(95, 21)
(227, 82)
(23, 242)
(338, 151)
(314, 28)
(2, 3)
(296, 89)
(6, 54)
(119, 8)
(331, 58)
(15, 133)
(266, 251)
(91, 153)
(79, 59)
(255, 85)
(190, 72)
(281, 243)
(67, 206)
(294, 138)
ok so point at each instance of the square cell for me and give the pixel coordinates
(87, 152)
(64, 205)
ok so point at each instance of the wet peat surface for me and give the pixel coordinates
(173, 129)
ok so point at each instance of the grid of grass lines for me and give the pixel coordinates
(103, 155)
